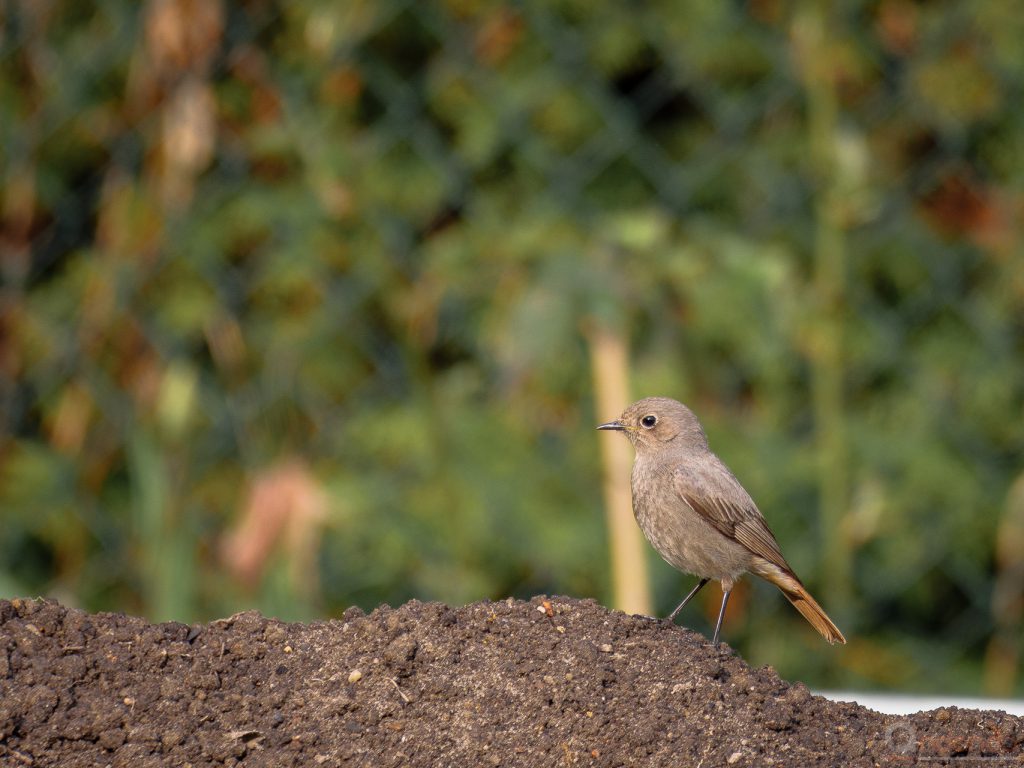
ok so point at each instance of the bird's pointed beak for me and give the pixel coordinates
(616, 425)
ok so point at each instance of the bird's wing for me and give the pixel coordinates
(741, 522)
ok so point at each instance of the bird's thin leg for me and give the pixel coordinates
(694, 591)
(721, 613)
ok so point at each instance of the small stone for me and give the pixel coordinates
(355, 676)
(734, 758)
(606, 648)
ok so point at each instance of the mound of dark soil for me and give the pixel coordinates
(547, 683)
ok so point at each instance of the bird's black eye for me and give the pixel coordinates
(649, 421)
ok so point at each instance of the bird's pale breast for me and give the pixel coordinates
(679, 534)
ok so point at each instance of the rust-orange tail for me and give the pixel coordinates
(801, 599)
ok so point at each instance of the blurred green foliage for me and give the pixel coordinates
(367, 237)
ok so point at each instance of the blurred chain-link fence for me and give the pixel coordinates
(352, 256)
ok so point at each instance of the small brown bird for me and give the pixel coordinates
(697, 515)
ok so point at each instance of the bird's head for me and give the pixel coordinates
(657, 422)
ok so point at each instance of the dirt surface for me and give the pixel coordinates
(550, 682)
